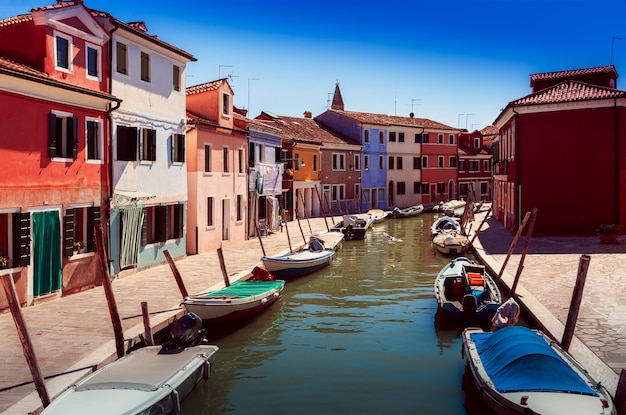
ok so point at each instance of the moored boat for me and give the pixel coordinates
(378, 215)
(354, 227)
(451, 243)
(411, 211)
(330, 240)
(522, 371)
(465, 291)
(298, 263)
(239, 300)
(149, 380)
(444, 223)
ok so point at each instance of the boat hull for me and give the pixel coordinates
(238, 301)
(450, 244)
(406, 213)
(539, 399)
(297, 264)
(142, 380)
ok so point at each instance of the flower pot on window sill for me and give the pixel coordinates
(608, 239)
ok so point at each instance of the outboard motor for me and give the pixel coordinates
(186, 331)
(469, 306)
(315, 244)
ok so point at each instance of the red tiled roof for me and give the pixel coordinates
(490, 130)
(307, 130)
(569, 91)
(16, 19)
(387, 120)
(207, 86)
(58, 5)
(572, 73)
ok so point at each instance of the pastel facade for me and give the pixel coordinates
(475, 164)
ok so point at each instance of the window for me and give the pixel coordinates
(451, 138)
(162, 222)
(225, 164)
(461, 165)
(339, 161)
(381, 162)
(251, 151)
(418, 138)
(207, 158)
(392, 136)
(390, 163)
(381, 137)
(366, 136)
(241, 160)
(399, 163)
(400, 137)
(474, 166)
(476, 142)
(15, 238)
(126, 143)
(145, 67)
(417, 163)
(314, 162)
(174, 223)
(239, 207)
(63, 135)
(425, 139)
(485, 166)
(148, 144)
(483, 188)
(262, 153)
(178, 148)
(78, 224)
(441, 188)
(93, 62)
(425, 187)
(401, 188)
(440, 138)
(94, 138)
(63, 53)
(366, 162)
(463, 188)
(121, 57)
(176, 77)
(296, 161)
(452, 161)
(210, 211)
(425, 163)
(417, 187)
(225, 104)
(357, 162)
(338, 192)
(440, 161)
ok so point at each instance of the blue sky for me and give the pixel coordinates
(458, 62)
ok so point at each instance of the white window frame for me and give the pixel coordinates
(357, 162)
(66, 151)
(70, 53)
(208, 153)
(98, 50)
(99, 141)
(226, 160)
(226, 109)
(339, 161)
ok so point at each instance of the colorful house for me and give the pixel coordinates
(53, 149)
(475, 161)
(217, 177)
(560, 150)
(148, 166)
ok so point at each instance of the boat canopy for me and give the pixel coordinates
(518, 359)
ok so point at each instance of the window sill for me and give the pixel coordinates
(78, 256)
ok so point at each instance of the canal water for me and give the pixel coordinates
(358, 337)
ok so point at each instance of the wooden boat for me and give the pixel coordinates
(239, 300)
(378, 215)
(465, 291)
(521, 371)
(398, 213)
(298, 263)
(451, 243)
(354, 227)
(153, 379)
(444, 223)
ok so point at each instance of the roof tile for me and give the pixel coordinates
(569, 91)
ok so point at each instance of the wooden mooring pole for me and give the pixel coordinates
(287, 229)
(177, 276)
(147, 329)
(520, 267)
(258, 234)
(118, 331)
(514, 244)
(480, 226)
(322, 207)
(27, 344)
(220, 256)
(577, 296)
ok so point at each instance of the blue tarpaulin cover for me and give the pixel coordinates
(518, 359)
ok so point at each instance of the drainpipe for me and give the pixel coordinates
(518, 214)
(617, 164)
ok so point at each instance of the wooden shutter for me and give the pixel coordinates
(144, 228)
(21, 239)
(160, 223)
(52, 135)
(178, 219)
(68, 232)
(72, 136)
(152, 135)
(93, 220)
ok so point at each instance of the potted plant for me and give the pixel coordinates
(4, 262)
(608, 233)
(79, 247)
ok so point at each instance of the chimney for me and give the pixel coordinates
(308, 114)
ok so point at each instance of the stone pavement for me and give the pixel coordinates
(75, 332)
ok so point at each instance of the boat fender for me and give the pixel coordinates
(175, 401)
(206, 370)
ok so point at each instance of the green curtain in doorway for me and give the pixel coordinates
(47, 252)
(132, 220)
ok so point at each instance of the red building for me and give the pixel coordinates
(561, 150)
(475, 160)
(55, 180)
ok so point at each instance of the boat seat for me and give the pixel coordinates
(475, 279)
(454, 289)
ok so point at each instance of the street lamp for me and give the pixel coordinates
(250, 79)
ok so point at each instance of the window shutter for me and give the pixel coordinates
(181, 146)
(68, 232)
(160, 223)
(178, 217)
(21, 239)
(52, 135)
(93, 220)
(152, 135)
(144, 228)
(251, 147)
(72, 136)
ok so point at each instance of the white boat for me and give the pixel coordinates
(465, 291)
(378, 215)
(398, 213)
(445, 223)
(239, 300)
(451, 243)
(354, 227)
(522, 371)
(330, 240)
(150, 380)
(298, 263)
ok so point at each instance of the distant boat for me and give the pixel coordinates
(150, 380)
(522, 371)
(398, 213)
(239, 300)
(379, 215)
(354, 227)
(465, 291)
(298, 263)
(451, 243)
(444, 223)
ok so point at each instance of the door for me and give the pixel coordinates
(47, 270)
(225, 219)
